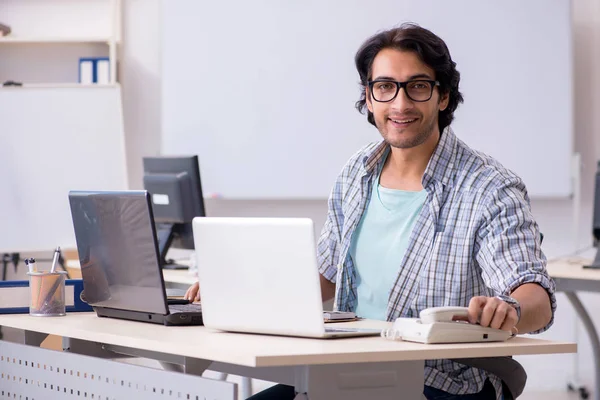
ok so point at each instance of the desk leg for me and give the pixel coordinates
(34, 338)
(190, 366)
(593, 335)
(373, 381)
(196, 366)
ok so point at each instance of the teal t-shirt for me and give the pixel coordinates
(379, 243)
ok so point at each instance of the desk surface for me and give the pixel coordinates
(180, 276)
(572, 268)
(262, 350)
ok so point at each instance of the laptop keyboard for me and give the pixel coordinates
(179, 308)
(334, 330)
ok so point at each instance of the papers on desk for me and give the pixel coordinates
(339, 316)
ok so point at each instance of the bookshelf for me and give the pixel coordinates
(49, 36)
(72, 134)
(41, 40)
(60, 85)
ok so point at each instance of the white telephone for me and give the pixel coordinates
(443, 325)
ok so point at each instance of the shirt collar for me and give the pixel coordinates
(441, 164)
(373, 157)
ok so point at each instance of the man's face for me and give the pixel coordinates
(404, 123)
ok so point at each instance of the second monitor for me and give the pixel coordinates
(176, 192)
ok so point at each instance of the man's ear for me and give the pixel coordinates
(368, 99)
(444, 100)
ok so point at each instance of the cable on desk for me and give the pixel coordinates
(572, 254)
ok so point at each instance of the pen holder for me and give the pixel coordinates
(47, 293)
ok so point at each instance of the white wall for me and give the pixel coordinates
(139, 72)
(586, 14)
(140, 75)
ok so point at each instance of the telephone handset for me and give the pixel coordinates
(443, 325)
(443, 314)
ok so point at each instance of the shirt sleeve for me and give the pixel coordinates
(510, 252)
(329, 244)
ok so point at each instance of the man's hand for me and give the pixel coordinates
(492, 312)
(193, 293)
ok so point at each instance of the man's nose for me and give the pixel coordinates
(402, 101)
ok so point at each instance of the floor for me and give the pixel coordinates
(561, 395)
(258, 385)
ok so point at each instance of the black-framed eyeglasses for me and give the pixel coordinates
(419, 90)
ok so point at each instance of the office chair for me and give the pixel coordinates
(511, 373)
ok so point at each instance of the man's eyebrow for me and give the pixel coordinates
(384, 78)
(410, 78)
(419, 76)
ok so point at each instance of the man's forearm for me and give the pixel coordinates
(327, 289)
(536, 310)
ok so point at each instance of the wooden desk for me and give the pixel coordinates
(570, 277)
(324, 368)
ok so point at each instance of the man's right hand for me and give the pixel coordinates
(193, 293)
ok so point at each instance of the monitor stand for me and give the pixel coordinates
(165, 234)
(596, 263)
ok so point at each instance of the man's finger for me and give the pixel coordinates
(487, 314)
(190, 293)
(511, 319)
(475, 306)
(499, 316)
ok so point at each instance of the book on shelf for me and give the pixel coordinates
(94, 70)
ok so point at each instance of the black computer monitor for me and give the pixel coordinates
(176, 193)
(596, 220)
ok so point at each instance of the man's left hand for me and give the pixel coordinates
(492, 312)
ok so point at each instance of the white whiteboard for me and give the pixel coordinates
(264, 91)
(55, 140)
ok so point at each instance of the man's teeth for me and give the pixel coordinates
(404, 121)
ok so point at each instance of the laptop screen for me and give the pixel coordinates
(117, 250)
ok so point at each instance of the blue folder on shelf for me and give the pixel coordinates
(14, 297)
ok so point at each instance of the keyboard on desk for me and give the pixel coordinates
(179, 308)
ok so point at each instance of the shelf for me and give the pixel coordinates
(58, 85)
(52, 40)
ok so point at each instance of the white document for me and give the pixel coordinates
(102, 72)
(86, 72)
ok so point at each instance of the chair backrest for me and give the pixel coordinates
(511, 373)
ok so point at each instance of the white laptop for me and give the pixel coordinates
(259, 275)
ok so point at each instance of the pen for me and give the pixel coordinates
(28, 266)
(55, 259)
(31, 264)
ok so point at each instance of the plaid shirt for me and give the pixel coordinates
(474, 236)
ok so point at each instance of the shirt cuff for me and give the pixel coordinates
(329, 272)
(544, 281)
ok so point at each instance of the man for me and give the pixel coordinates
(421, 220)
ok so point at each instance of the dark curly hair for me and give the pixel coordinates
(430, 48)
